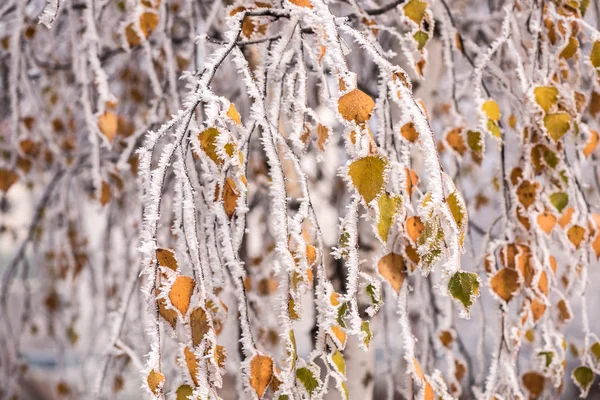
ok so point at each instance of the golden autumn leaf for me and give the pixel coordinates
(447, 338)
(537, 309)
(322, 136)
(105, 193)
(415, 10)
(505, 283)
(192, 364)
(155, 381)
(302, 3)
(181, 293)
(557, 124)
(356, 106)
(199, 325)
(491, 109)
(233, 114)
(428, 394)
(368, 176)
(148, 22)
(208, 143)
(456, 141)
(339, 334)
(409, 132)
(230, 197)
(166, 258)
(595, 54)
(546, 221)
(389, 207)
(391, 267)
(261, 373)
(570, 49)
(546, 97)
(107, 123)
(591, 144)
(7, 179)
(576, 234)
(564, 311)
(595, 218)
(414, 228)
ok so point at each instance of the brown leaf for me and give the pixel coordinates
(534, 383)
(391, 267)
(230, 197)
(505, 283)
(7, 179)
(409, 132)
(168, 314)
(199, 325)
(166, 258)
(576, 235)
(526, 192)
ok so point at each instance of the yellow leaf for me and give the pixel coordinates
(107, 123)
(415, 10)
(494, 129)
(491, 109)
(414, 228)
(564, 312)
(181, 293)
(557, 124)
(505, 283)
(459, 213)
(208, 143)
(595, 54)
(337, 358)
(155, 381)
(339, 334)
(546, 96)
(368, 176)
(356, 106)
(261, 373)
(199, 325)
(166, 258)
(391, 267)
(389, 208)
(233, 114)
(570, 49)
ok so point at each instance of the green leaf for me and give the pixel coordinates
(372, 294)
(342, 310)
(421, 38)
(464, 287)
(184, 392)
(583, 378)
(365, 327)
(306, 377)
(475, 141)
(595, 349)
(548, 355)
(559, 200)
(337, 358)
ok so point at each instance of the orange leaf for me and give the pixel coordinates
(261, 373)
(391, 267)
(181, 293)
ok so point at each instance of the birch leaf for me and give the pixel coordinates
(491, 109)
(459, 213)
(337, 359)
(208, 143)
(368, 176)
(583, 378)
(307, 378)
(534, 383)
(576, 234)
(415, 10)
(557, 124)
(155, 381)
(464, 287)
(230, 197)
(391, 267)
(356, 106)
(414, 228)
(595, 54)
(546, 97)
(261, 373)
(559, 200)
(365, 328)
(168, 314)
(409, 132)
(505, 283)
(546, 221)
(107, 123)
(526, 192)
(184, 392)
(389, 207)
(166, 258)
(181, 293)
(199, 325)
(192, 364)
(591, 144)
(233, 114)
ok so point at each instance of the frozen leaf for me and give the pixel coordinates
(368, 176)
(576, 234)
(447, 338)
(557, 124)
(166, 258)
(307, 378)
(534, 383)
(591, 144)
(148, 22)
(337, 359)
(301, 3)
(583, 377)
(564, 311)
(208, 143)
(546, 221)
(230, 197)
(184, 392)
(339, 334)
(595, 54)
(356, 106)
(107, 123)
(505, 283)
(526, 192)
(233, 114)
(475, 142)
(104, 193)
(595, 350)
(155, 381)
(389, 208)
(491, 109)
(169, 315)
(414, 228)
(261, 373)
(570, 49)
(546, 97)
(391, 267)
(559, 200)
(181, 293)
(494, 129)
(192, 364)
(199, 325)
(565, 218)
(415, 10)
(421, 38)
(365, 328)
(428, 393)
(464, 287)
(456, 141)
(409, 132)
(459, 213)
